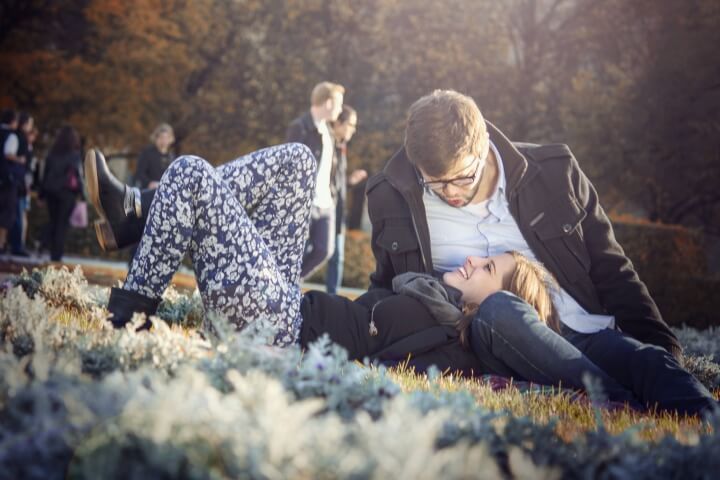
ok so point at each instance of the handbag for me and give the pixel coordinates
(72, 182)
(79, 215)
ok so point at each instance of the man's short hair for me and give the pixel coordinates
(324, 91)
(8, 116)
(442, 128)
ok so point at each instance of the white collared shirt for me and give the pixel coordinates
(486, 229)
(323, 195)
(11, 142)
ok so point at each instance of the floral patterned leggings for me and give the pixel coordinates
(244, 223)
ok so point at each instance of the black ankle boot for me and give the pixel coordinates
(121, 220)
(124, 303)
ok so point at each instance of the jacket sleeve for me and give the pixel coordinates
(142, 176)
(384, 271)
(295, 133)
(619, 288)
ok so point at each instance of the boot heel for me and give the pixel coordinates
(105, 235)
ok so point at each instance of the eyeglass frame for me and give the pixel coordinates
(442, 184)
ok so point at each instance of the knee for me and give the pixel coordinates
(503, 306)
(188, 168)
(303, 159)
(654, 358)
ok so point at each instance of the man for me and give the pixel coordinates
(460, 188)
(9, 158)
(343, 130)
(311, 129)
(20, 172)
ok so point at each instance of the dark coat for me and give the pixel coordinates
(406, 331)
(303, 130)
(151, 165)
(559, 215)
(56, 172)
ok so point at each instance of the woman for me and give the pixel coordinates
(244, 225)
(155, 158)
(62, 187)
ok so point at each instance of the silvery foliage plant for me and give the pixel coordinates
(79, 399)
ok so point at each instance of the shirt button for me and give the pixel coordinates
(394, 246)
(566, 228)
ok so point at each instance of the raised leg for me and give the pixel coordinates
(247, 268)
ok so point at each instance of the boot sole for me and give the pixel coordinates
(105, 237)
(103, 231)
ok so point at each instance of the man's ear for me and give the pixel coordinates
(329, 104)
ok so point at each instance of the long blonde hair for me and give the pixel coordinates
(529, 281)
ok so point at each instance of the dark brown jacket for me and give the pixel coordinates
(558, 212)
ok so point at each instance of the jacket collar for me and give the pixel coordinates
(308, 123)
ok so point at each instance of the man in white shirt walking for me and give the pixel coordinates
(312, 129)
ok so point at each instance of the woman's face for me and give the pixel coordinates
(479, 277)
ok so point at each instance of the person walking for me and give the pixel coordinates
(343, 130)
(62, 187)
(311, 129)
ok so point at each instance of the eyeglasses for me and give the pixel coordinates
(461, 182)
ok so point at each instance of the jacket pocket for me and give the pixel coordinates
(402, 247)
(560, 231)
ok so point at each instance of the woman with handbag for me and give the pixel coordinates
(62, 187)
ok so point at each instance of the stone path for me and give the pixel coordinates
(108, 273)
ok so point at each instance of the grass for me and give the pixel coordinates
(572, 416)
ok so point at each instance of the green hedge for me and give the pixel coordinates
(672, 262)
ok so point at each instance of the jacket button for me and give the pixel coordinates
(566, 228)
(394, 246)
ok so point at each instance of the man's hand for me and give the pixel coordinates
(153, 184)
(357, 176)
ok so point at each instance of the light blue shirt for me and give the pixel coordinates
(488, 229)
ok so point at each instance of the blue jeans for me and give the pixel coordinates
(334, 276)
(651, 372)
(16, 240)
(321, 240)
(509, 339)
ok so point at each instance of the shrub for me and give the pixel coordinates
(86, 401)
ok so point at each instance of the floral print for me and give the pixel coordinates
(244, 224)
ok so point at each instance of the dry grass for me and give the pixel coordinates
(573, 416)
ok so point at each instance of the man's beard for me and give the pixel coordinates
(465, 199)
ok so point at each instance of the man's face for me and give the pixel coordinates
(334, 106)
(29, 125)
(459, 186)
(344, 131)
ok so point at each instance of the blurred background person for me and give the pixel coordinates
(9, 145)
(343, 130)
(155, 158)
(62, 187)
(312, 129)
(23, 179)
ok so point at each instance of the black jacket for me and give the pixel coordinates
(56, 172)
(303, 130)
(151, 165)
(406, 331)
(559, 214)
